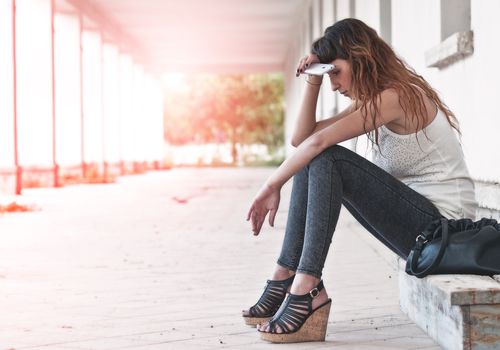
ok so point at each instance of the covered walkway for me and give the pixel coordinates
(81, 80)
(166, 260)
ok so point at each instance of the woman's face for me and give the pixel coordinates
(340, 77)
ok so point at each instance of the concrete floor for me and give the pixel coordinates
(166, 260)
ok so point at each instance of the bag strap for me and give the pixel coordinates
(439, 256)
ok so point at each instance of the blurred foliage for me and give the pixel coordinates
(244, 109)
(14, 207)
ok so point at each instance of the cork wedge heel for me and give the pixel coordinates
(297, 322)
(255, 321)
(269, 302)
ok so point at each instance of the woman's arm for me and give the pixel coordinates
(329, 121)
(333, 132)
(306, 124)
(349, 126)
(299, 137)
(306, 120)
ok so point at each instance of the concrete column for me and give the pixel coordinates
(329, 98)
(82, 114)
(18, 188)
(53, 78)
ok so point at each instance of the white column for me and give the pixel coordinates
(67, 76)
(369, 12)
(126, 108)
(34, 83)
(6, 87)
(329, 98)
(92, 97)
(111, 103)
(151, 120)
(344, 9)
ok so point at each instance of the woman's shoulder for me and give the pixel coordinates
(389, 95)
(389, 105)
(405, 124)
(389, 100)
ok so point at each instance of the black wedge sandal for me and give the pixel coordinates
(296, 321)
(269, 302)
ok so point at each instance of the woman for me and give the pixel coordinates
(419, 174)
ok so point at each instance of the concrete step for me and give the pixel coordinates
(460, 312)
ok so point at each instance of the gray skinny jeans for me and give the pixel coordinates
(390, 210)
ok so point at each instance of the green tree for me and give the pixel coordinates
(240, 109)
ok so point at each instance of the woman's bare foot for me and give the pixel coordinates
(280, 273)
(303, 284)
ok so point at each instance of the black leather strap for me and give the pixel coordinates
(439, 256)
(296, 310)
(271, 298)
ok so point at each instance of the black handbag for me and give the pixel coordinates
(449, 246)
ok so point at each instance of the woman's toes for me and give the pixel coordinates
(263, 327)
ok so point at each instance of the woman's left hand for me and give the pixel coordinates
(267, 200)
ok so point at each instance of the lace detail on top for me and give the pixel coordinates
(432, 163)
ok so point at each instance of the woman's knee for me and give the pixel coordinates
(332, 154)
(301, 177)
(302, 173)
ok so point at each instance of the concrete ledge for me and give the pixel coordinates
(488, 197)
(452, 49)
(460, 312)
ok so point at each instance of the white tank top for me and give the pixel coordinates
(434, 166)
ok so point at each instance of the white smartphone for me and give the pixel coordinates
(318, 68)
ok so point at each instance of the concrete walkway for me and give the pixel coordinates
(166, 260)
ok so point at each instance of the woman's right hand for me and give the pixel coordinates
(266, 201)
(306, 62)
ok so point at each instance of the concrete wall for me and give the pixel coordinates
(414, 27)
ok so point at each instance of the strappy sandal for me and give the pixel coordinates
(269, 302)
(296, 321)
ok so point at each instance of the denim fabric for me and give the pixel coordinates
(390, 210)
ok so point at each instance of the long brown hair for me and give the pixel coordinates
(375, 67)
